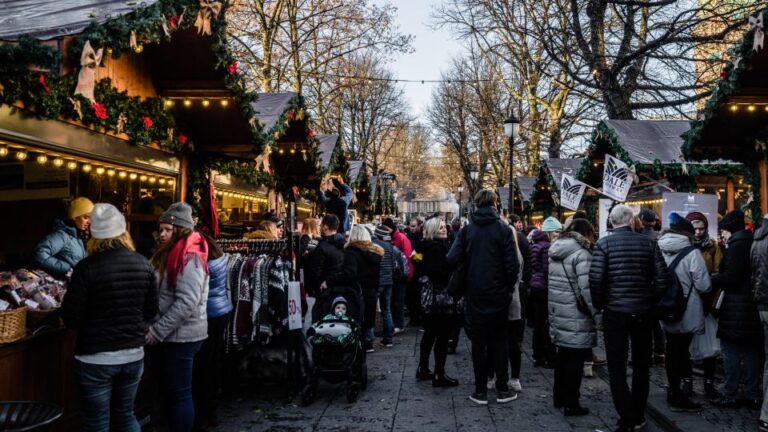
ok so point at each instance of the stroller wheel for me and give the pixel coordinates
(307, 395)
(353, 391)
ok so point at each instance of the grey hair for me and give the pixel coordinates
(359, 233)
(621, 215)
(431, 227)
(485, 198)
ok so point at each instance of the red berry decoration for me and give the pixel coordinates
(99, 110)
(183, 139)
(233, 68)
(311, 133)
(174, 22)
(45, 86)
(147, 122)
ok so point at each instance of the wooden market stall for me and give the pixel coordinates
(653, 150)
(545, 200)
(524, 187)
(734, 122)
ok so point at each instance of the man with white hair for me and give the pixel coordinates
(627, 278)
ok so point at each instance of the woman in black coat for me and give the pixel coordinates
(739, 327)
(362, 259)
(437, 327)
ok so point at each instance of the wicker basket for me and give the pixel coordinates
(13, 325)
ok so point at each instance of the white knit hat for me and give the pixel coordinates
(106, 221)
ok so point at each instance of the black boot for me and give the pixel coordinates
(687, 387)
(442, 380)
(575, 411)
(678, 402)
(710, 392)
(424, 374)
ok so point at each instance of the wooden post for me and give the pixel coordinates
(729, 195)
(763, 186)
(183, 168)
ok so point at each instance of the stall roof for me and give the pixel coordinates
(47, 19)
(327, 146)
(558, 167)
(503, 192)
(649, 140)
(270, 106)
(526, 185)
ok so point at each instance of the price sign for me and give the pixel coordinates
(294, 306)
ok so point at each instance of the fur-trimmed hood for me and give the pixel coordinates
(568, 243)
(366, 246)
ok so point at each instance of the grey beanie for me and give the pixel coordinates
(178, 214)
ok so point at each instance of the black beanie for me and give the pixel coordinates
(680, 225)
(732, 221)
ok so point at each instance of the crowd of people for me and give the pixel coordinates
(675, 297)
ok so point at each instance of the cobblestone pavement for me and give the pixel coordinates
(394, 401)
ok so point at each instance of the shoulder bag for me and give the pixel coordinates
(581, 303)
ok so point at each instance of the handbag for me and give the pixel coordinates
(437, 300)
(581, 303)
(457, 286)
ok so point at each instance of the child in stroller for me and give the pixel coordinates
(337, 344)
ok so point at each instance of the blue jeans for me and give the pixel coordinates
(398, 304)
(176, 377)
(108, 391)
(385, 302)
(733, 355)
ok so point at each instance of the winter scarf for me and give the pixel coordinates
(183, 251)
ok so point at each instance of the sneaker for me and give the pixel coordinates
(598, 361)
(398, 331)
(588, 372)
(386, 344)
(680, 403)
(641, 425)
(491, 384)
(479, 398)
(504, 396)
(514, 385)
(369, 350)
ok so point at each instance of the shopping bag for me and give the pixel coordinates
(706, 344)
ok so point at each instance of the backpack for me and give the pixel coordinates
(400, 264)
(673, 304)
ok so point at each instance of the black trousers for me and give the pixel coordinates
(516, 331)
(621, 329)
(678, 359)
(207, 372)
(658, 338)
(437, 330)
(413, 301)
(569, 368)
(543, 350)
(489, 333)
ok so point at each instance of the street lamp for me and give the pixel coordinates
(460, 189)
(394, 197)
(511, 130)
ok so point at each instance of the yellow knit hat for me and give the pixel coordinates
(80, 206)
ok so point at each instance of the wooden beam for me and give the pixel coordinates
(729, 195)
(183, 178)
(227, 148)
(763, 171)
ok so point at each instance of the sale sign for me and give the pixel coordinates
(295, 314)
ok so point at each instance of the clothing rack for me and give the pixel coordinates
(258, 246)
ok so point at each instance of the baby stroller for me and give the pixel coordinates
(337, 344)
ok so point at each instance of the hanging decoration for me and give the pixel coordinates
(208, 9)
(756, 24)
(121, 121)
(100, 111)
(262, 161)
(43, 84)
(86, 78)
(164, 23)
(77, 107)
(132, 40)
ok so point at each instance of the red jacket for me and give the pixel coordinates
(401, 242)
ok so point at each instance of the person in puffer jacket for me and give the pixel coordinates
(206, 379)
(692, 273)
(543, 350)
(59, 252)
(739, 327)
(572, 331)
(181, 263)
(759, 254)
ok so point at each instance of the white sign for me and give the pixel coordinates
(617, 179)
(571, 191)
(604, 209)
(683, 203)
(294, 306)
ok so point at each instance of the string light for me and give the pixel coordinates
(58, 162)
(133, 176)
(100, 170)
(171, 182)
(87, 168)
(3, 151)
(187, 103)
(206, 103)
(224, 103)
(152, 180)
(734, 107)
(42, 159)
(122, 174)
(161, 181)
(72, 165)
(21, 155)
(751, 108)
(169, 103)
(142, 177)
(110, 172)
(139, 49)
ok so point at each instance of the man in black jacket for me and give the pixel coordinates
(487, 250)
(759, 257)
(328, 257)
(627, 277)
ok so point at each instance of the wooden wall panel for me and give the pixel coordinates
(128, 73)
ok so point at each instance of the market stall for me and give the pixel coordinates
(732, 124)
(524, 187)
(545, 199)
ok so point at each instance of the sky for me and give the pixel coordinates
(433, 51)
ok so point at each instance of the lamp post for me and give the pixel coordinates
(397, 210)
(460, 189)
(511, 130)
(473, 173)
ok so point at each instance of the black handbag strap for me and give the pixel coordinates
(576, 295)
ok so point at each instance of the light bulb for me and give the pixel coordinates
(100, 170)
(734, 107)
(139, 49)
(122, 174)
(21, 155)
(224, 103)
(187, 103)
(143, 177)
(111, 172)
(87, 168)
(169, 103)
(161, 181)
(42, 159)
(751, 108)
(206, 103)
(293, 151)
(72, 165)
(170, 182)
(152, 179)
(58, 162)
(133, 176)
(3, 151)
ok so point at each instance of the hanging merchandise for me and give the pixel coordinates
(90, 59)
(617, 179)
(571, 191)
